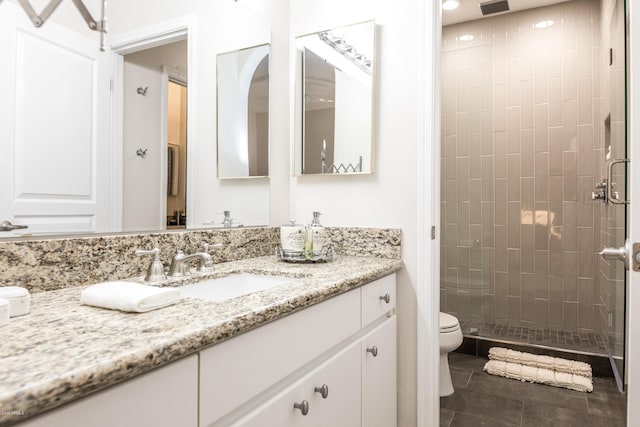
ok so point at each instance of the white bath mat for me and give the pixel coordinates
(538, 361)
(526, 367)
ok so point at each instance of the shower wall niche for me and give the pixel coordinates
(522, 132)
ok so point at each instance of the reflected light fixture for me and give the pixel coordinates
(466, 37)
(451, 4)
(342, 47)
(544, 24)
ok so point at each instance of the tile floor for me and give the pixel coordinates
(487, 400)
(580, 341)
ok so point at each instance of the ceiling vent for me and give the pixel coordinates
(494, 6)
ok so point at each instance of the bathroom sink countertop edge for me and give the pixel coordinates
(63, 350)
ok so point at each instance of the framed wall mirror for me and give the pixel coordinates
(334, 101)
(243, 113)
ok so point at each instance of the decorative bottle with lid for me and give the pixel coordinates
(292, 237)
(317, 235)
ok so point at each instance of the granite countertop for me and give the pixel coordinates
(63, 350)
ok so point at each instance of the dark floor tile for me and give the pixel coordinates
(606, 400)
(467, 420)
(492, 408)
(446, 416)
(499, 386)
(460, 377)
(545, 415)
(466, 362)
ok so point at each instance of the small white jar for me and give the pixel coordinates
(19, 299)
(4, 312)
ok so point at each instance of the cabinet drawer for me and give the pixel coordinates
(341, 407)
(375, 296)
(237, 370)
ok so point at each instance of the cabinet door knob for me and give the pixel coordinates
(386, 298)
(324, 391)
(373, 350)
(303, 406)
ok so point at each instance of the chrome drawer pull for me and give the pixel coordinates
(324, 391)
(373, 350)
(303, 406)
(386, 298)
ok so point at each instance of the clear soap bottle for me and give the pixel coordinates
(317, 234)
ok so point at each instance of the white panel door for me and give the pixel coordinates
(54, 127)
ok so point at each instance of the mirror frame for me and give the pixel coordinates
(299, 104)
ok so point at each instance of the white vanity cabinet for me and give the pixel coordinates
(256, 378)
(164, 397)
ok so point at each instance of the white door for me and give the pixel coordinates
(54, 127)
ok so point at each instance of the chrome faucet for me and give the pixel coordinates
(227, 222)
(180, 263)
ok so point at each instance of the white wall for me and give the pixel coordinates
(386, 198)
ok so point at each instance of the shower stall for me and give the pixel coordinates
(533, 113)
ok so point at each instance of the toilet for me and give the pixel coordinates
(450, 339)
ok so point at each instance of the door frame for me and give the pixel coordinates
(632, 361)
(428, 297)
(181, 28)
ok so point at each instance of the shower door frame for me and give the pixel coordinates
(633, 282)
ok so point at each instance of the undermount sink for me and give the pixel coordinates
(232, 286)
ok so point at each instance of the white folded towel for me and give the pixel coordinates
(533, 374)
(128, 296)
(547, 362)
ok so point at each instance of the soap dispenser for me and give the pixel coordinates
(317, 235)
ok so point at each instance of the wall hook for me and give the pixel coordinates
(143, 91)
(140, 152)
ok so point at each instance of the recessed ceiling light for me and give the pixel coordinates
(466, 38)
(544, 24)
(451, 4)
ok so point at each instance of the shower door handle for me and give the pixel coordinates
(622, 254)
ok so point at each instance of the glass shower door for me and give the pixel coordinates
(612, 191)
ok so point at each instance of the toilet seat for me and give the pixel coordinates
(448, 323)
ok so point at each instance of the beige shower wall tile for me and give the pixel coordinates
(513, 228)
(585, 252)
(527, 200)
(570, 278)
(527, 308)
(570, 221)
(462, 133)
(585, 150)
(513, 175)
(586, 290)
(570, 72)
(570, 172)
(541, 307)
(541, 75)
(570, 316)
(501, 202)
(555, 200)
(585, 99)
(541, 225)
(463, 223)
(527, 153)
(487, 131)
(487, 179)
(501, 262)
(500, 155)
(475, 156)
(569, 125)
(501, 295)
(541, 127)
(555, 301)
(488, 225)
(541, 177)
(513, 130)
(586, 206)
(541, 273)
(526, 104)
(462, 79)
(527, 262)
(514, 310)
(513, 256)
(500, 108)
(555, 251)
(450, 157)
(555, 101)
(513, 81)
(555, 151)
(475, 201)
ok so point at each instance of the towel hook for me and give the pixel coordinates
(143, 91)
(140, 152)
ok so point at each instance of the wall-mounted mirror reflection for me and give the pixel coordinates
(335, 99)
(243, 113)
